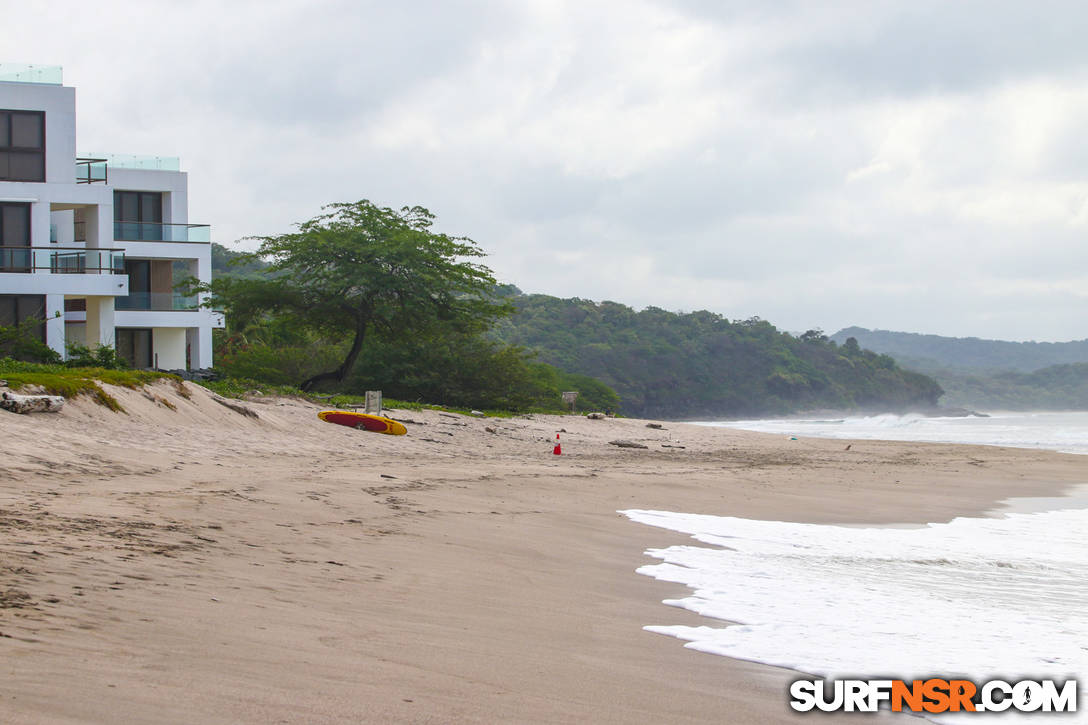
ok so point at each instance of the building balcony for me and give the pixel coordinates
(158, 301)
(62, 260)
(91, 171)
(150, 232)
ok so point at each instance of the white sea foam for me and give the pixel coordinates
(976, 597)
(1059, 431)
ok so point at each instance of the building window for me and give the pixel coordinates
(139, 286)
(137, 215)
(22, 146)
(15, 237)
(134, 346)
(15, 309)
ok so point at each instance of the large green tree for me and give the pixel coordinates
(358, 271)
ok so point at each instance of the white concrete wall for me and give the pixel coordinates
(168, 318)
(168, 348)
(59, 104)
(101, 322)
(76, 285)
(54, 322)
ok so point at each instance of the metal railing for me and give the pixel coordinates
(62, 260)
(151, 232)
(91, 171)
(158, 301)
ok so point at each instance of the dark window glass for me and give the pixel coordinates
(126, 207)
(139, 275)
(134, 346)
(23, 166)
(137, 206)
(15, 225)
(26, 130)
(151, 208)
(139, 286)
(7, 310)
(137, 215)
(14, 232)
(19, 308)
(22, 146)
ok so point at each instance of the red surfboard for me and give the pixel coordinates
(363, 421)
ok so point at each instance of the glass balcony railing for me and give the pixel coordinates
(137, 161)
(27, 73)
(149, 232)
(91, 171)
(158, 301)
(62, 260)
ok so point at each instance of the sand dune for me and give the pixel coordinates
(182, 562)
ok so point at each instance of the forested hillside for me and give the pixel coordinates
(1058, 387)
(932, 352)
(662, 364)
(990, 374)
(700, 364)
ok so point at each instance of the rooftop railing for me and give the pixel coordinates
(28, 73)
(62, 260)
(91, 170)
(137, 161)
(151, 232)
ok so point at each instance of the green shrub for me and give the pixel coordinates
(21, 342)
(102, 356)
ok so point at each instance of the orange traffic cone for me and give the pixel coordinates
(557, 450)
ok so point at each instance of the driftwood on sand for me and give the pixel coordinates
(626, 444)
(30, 403)
(236, 407)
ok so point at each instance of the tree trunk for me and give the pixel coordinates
(345, 367)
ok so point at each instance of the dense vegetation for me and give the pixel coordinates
(662, 364)
(934, 352)
(667, 364)
(1058, 387)
(391, 307)
(991, 374)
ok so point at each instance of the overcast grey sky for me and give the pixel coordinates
(915, 165)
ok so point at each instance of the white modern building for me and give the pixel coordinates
(94, 244)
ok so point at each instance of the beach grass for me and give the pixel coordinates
(71, 382)
(240, 387)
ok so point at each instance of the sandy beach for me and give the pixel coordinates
(182, 562)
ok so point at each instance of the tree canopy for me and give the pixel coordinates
(699, 364)
(358, 270)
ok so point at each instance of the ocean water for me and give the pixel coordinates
(1061, 431)
(979, 598)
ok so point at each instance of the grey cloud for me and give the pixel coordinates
(856, 50)
(322, 66)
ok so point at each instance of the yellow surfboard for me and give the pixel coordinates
(363, 421)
